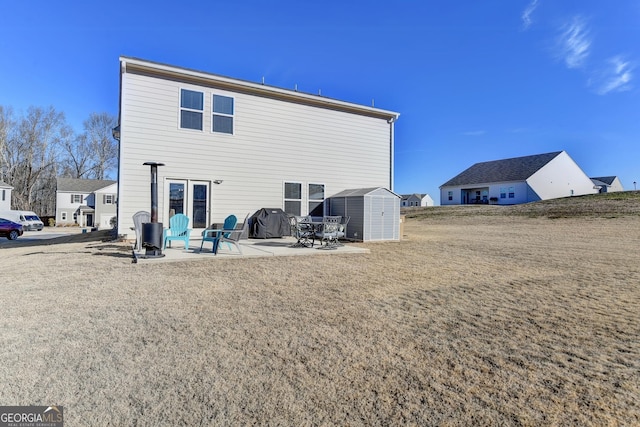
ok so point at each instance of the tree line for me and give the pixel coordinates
(39, 146)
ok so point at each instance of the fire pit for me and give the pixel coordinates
(152, 231)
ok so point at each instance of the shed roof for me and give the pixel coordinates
(82, 185)
(359, 192)
(514, 169)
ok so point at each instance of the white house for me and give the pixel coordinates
(416, 200)
(517, 180)
(85, 202)
(5, 196)
(607, 184)
(232, 147)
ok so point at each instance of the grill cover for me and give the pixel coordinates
(267, 223)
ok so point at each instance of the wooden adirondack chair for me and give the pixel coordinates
(178, 230)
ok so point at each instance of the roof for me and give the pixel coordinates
(358, 192)
(604, 179)
(514, 169)
(82, 185)
(418, 195)
(5, 185)
(141, 66)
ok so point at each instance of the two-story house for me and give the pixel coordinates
(86, 202)
(231, 146)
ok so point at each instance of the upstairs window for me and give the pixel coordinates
(191, 109)
(109, 199)
(222, 114)
(76, 198)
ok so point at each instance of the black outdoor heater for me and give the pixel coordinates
(152, 231)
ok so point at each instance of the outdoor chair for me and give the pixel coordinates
(328, 232)
(139, 218)
(302, 230)
(233, 237)
(178, 230)
(213, 234)
(342, 229)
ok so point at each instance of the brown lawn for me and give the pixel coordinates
(487, 315)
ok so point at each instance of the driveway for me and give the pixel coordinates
(36, 237)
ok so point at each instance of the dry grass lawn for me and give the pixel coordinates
(524, 315)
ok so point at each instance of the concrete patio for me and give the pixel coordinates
(251, 248)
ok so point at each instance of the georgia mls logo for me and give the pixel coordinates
(31, 416)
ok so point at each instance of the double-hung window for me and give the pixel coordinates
(76, 198)
(108, 199)
(222, 121)
(293, 198)
(191, 109)
(512, 192)
(316, 199)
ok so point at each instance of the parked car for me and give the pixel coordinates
(9, 229)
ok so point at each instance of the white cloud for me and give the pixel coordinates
(574, 43)
(474, 133)
(526, 15)
(616, 77)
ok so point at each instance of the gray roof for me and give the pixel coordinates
(82, 185)
(515, 169)
(605, 179)
(5, 185)
(355, 192)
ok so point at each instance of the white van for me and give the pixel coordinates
(28, 219)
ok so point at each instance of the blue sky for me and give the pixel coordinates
(473, 80)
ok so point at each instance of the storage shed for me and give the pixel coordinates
(374, 212)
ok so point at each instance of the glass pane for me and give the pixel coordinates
(292, 208)
(190, 120)
(223, 124)
(191, 99)
(316, 192)
(199, 206)
(176, 198)
(292, 190)
(316, 208)
(222, 104)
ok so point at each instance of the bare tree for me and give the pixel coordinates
(77, 160)
(30, 159)
(98, 133)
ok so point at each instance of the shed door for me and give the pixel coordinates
(376, 218)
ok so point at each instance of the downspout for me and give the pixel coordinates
(391, 121)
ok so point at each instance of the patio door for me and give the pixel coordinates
(188, 197)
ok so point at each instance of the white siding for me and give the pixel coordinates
(561, 177)
(274, 141)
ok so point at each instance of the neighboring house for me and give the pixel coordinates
(517, 180)
(5, 196)
(607, 184)
(416, 199)
(232, 147)
(85, 202)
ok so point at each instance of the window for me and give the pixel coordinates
(316, 199)
(76, 198)
(512, 193)
(191, 109)
(63, 216)
(3, 196)
(450, 195)
(222, 114)
(503, 193)
(108, 199)
(293, 198)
